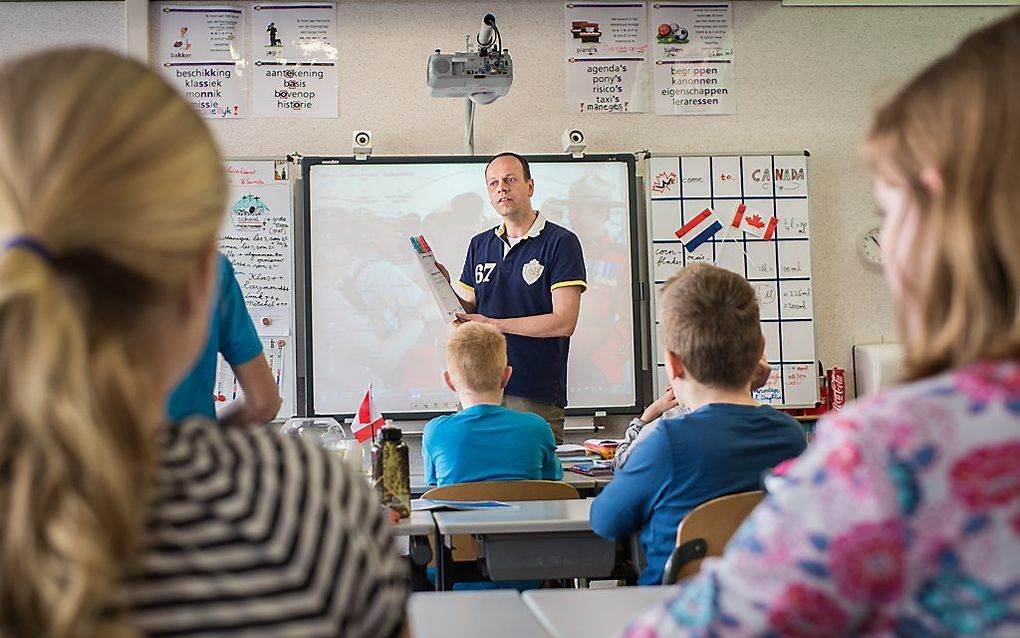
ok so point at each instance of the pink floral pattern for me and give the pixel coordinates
(988, 476)
(902, 518)
(802, 612)
(867, 561)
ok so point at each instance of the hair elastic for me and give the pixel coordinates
(28, 243)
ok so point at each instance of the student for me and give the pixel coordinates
(713, 340)
(903, 518)
(666, 406)
(114, 524)
(232, 334)
(484, 441)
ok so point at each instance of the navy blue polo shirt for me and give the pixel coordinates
(518, 282)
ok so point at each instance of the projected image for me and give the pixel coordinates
(373, 317)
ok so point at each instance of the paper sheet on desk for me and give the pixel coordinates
(425, 504)
(446, 299)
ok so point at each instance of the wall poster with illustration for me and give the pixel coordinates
(748, 214)
(258, 237)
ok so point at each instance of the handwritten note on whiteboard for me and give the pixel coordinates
(257, 237)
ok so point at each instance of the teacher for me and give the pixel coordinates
(526, 277)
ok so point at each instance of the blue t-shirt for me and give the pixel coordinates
(518, 282)
(488, 443)
(232, 334)
(718, 449)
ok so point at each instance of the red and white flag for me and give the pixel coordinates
(368, 419)
(752, 222)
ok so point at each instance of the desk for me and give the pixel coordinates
(531, 540)
(493, 614)
(591, 613)
(418, 524)
(412, 540)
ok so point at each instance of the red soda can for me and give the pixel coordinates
(837, 388)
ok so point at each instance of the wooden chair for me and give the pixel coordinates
(463, 546)
(503, 491)
(705, 531)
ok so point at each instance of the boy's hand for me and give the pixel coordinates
(665, 402)
(761, 374)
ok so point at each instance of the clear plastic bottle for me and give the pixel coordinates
(391, 473)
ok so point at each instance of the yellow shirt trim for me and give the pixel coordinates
(465, 285)
(572, 282)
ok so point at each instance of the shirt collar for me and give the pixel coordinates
(537, 227)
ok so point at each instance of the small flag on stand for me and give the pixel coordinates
(699, 230)
(368, 419)
(753, 223)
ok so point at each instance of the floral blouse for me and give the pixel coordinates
(903, 518)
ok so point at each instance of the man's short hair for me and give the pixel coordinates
(709, 318)
(524, 163)
(476, 357)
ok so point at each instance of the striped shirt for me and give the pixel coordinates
(254, 534)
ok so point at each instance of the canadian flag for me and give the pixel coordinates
(368, 419)
(751, 221)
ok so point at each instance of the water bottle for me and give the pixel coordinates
(328, 434)
(391, 473)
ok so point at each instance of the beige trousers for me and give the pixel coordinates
(553, 415)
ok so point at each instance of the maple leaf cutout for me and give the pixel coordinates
(755, 220)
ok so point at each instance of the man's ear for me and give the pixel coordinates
(674, 366)
(448, 380)
(506, 376)
(531, 187)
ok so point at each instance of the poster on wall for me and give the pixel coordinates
(606, 52)
(257, 236)
(693, 59)
(294, 48)
(748, 214)
(201, 53)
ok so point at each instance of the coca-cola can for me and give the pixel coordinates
(837, 388)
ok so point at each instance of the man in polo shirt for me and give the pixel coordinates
(526, 277)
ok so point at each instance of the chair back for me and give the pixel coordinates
(463, 546)
(504, 491)
(705, 531)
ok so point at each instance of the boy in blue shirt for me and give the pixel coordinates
(713, 342)
(484, 441)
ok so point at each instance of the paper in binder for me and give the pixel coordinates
(446, 299)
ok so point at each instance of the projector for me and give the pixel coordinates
(483, 78)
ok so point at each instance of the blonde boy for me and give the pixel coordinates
(484, 441)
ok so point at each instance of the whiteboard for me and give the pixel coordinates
(779, 269)
(370, 317)
(258, 238)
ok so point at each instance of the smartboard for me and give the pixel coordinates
(769, 186)
(370, 318)
(258, 238)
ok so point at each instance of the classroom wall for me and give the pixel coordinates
(807, 78)
(33, 26)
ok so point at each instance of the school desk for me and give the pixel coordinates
(591, 613)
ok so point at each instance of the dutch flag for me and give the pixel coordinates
(699, 230)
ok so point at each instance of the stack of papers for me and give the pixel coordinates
(570, 449)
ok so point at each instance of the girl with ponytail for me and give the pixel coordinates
(111, 193)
